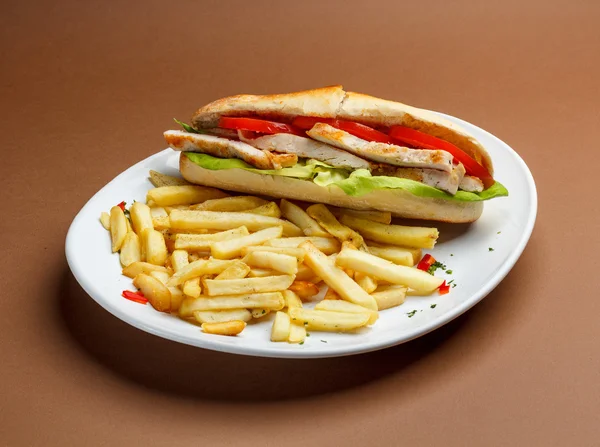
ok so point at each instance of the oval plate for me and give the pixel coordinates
(505, 227)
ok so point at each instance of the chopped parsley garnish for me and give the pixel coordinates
(448, 272)
(301, 343)
(307, 334)
(451, 254)
(490, 249)
(323, 341)
(499, 232)
(436, 265)
(411, 313)
(450, 282)
(433, 306)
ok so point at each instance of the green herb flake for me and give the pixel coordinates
(450, 282)
(499, 232)
(323, 341)
(411, 313)
(301, 343)
(307, 334)
(448, 272)
(453, 286)
(490, 249)
(433, 306)
(436, 265)
(451, 254)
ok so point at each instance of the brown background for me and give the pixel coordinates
(86, 89)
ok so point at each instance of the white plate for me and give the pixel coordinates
(505, 226)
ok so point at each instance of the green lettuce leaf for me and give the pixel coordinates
(187, 127)
(356, 183)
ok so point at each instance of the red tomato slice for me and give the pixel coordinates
(426, 262)
(356, 129)
(444, 288)
(258, 125)
(424, 141)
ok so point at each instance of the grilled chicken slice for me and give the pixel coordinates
(219, 147)
(381, 152)
(471, 184)
(307, 148)
(446, 181)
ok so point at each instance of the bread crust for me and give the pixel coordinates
(399, 202)
(335, 102)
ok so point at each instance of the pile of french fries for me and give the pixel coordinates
(222, 261)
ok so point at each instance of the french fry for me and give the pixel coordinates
(261, 273)
(327, 245)
(345, 306)
(335, 278)
(201, 242)
(105, 220)
(130, 249)
(234, 203)
(153, 246)
(225, 328)
(416, 253)
(297, 333)
(259, 313)
(140, 217)
(237, 270)
(177, 297)
(280, 331)
(367, 283)
(118, 227)
(389, 296)
(158, 211)
(305, 273)
(291, 299)
(269, 209)
(197, 268)
(192, 288)
(298, 253)
(323, 216)
(217, 220)
(135, 268)
(128, 224)
(304, 289)
(183, 195)
(214, 287)
(158, 295)
(331, 295)
(179, 259)
(158, 179)
(220, 316)
(169, 209)
(299, 217)
(271, 301)
(384, 217)
(324, 320)
(233, 247)
(161, 276)
(417, 237)
(273, 261)
(161, 223)
(396, 274)
(396, 255)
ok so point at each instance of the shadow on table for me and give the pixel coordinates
(190, 372)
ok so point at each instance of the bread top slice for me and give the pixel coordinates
(335, 102)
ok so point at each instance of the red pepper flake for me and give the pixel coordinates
(444, 288)
(426, 262)
(122, 205)
(134, 296)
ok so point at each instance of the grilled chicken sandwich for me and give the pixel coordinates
(341, 148)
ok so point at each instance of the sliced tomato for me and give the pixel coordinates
(134, 296)
(122, 205)
(258, 125)
(424, 141)
(356, 129)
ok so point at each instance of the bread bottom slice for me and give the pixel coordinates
(399, 202)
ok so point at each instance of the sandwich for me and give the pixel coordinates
(341, 148)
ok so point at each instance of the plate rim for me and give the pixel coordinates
(325, 352)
